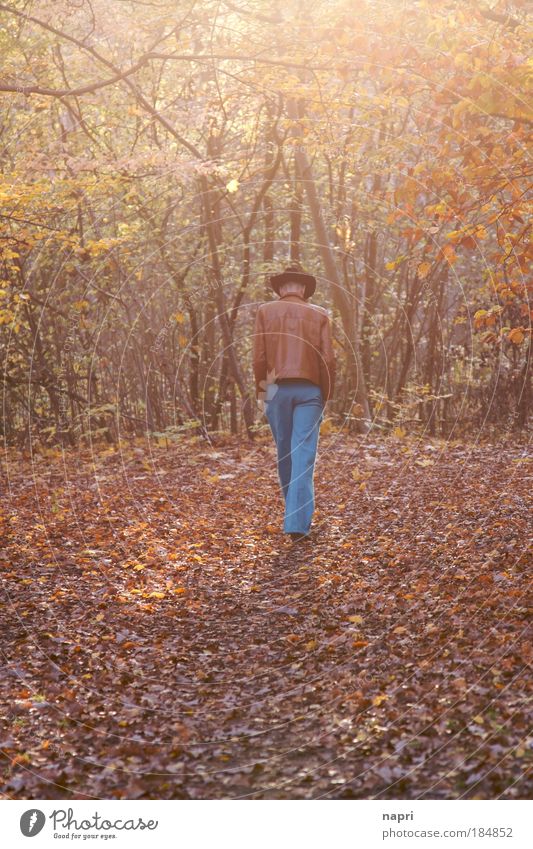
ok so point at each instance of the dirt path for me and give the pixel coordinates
(161, 639)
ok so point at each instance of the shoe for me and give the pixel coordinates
(298, 537)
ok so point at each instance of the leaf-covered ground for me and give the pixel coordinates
(162, 639)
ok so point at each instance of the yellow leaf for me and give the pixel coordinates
(357, 620)
(479, 318)
(390, 266)
(312, 644)
(377, 700)
(232, 186)
(156, 595)
(327, 427)
(423, 269)
(462, 60)
(454, 235)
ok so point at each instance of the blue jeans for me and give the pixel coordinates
(294, 411)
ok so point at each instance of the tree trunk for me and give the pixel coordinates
(223, 317)
(339, 297)
(296, 220)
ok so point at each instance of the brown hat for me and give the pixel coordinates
(293, 274)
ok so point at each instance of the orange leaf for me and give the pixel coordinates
(450, 254)
(516, 336)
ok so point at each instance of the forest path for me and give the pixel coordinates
(162, 639)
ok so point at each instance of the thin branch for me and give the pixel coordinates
(75, 92)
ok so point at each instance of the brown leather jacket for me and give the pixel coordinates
(292, 338)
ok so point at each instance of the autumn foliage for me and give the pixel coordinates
(150, 184)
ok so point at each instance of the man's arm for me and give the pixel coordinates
(259, 354)
(328, 365)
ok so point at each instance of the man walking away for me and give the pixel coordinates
(294, 369)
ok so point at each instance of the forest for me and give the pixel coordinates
(160, 160)
(151, 184)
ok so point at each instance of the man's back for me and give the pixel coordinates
(293, 340)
